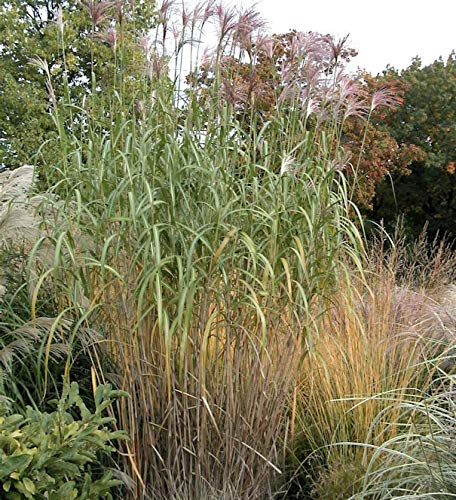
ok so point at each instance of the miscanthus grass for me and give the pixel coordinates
(203, 247)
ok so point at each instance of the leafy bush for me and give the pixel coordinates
(425, 120)
(57, 455)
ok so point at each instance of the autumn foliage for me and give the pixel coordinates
(305, 70)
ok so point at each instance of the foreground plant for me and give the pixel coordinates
(420, 460)
(58, 455)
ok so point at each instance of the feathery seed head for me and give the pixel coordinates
(145, 43)
(157, 67)
(97, 10)
(109, 36)
(225, 20)
(265, 44)
(288, 162)
(59, 19)
(247, 24)
(165, 10)
(355, 106)
(385, 97)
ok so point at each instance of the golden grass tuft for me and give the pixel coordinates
(369, 358)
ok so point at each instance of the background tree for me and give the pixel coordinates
(426, 119)
(77, 43)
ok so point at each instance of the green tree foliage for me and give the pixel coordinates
(78, 43)
(426, 119)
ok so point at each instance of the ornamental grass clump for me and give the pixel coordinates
(204, 240)
(420, 460)
(383, 348)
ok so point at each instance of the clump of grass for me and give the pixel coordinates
(40, 341)
(420, 460)
(205, 249)
(370, 359)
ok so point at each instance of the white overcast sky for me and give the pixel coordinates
(383, 31)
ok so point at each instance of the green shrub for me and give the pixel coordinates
(57, 455)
